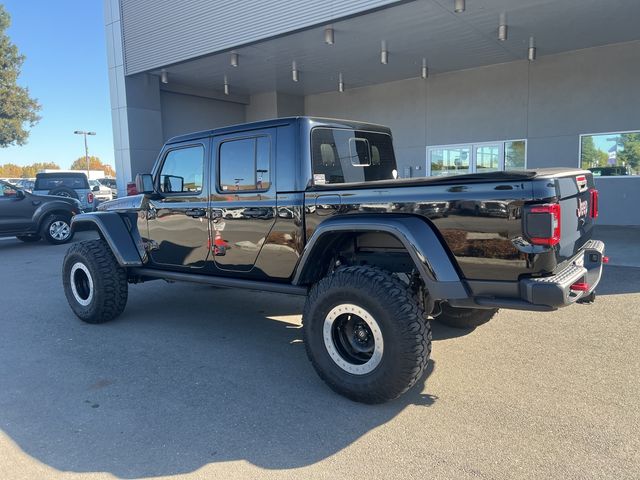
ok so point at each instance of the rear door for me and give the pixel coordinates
(243, 197)
(177, 218)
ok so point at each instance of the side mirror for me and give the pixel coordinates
(20, 194)
(96, 188)
(144, 183)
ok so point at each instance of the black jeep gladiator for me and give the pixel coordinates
(312, 207)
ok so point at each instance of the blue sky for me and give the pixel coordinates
(66, 70)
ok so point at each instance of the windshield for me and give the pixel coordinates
(345, 156)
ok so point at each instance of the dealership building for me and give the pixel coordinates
(466, 86)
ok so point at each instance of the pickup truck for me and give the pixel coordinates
(313, 207)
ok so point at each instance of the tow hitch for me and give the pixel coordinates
(588, 299)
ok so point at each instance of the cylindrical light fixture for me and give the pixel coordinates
(384, 53)
(531, 53)
(424, 71)
(328, 36)
(294, 71)
(502, 27)
(234, 60)
(459, 6)
(226, 85)
(340, 83)
(164, 76)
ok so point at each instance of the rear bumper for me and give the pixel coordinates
(555, 291)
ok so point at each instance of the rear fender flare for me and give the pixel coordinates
(429, 255)
(126, 245)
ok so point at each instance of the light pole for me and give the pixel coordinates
(86, 148)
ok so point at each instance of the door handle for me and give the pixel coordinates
(195, 212)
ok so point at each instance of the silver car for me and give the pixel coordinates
(66, 184)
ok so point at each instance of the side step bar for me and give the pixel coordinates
(226, 282)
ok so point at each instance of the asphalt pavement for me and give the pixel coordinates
(198, 382)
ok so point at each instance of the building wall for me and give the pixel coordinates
(550, 102)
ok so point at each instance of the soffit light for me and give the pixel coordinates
(502, 27)
(531, 52)
(164, 76)
(340, 83)
(328, 36)
(234, 60)
(459, 6)
(424, 71)
(294, 71)
(226, 85)
(384, 53)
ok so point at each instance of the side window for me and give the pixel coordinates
(183, 170)
(245, 165)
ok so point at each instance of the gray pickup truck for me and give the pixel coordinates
(312, 207)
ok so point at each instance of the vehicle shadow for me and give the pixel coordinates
(619, 280)
(188, 375)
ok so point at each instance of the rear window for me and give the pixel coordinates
(55, 181)
(345, 156)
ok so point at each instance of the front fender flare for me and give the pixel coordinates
(129, 251)
(430, 257)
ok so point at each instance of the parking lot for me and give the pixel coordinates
(197, 382)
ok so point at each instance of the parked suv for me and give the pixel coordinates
(31, 217)
(66, 184)
(101, 192)
(313, 207)
(111, 183)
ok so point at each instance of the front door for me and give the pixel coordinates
(177, 216)
(243, 199)
(16, 210)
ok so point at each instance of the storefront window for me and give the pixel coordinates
(476, 158)
(611, 154)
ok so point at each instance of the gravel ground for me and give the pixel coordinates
(197, 382)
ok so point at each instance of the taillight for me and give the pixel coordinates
(542, 224)
(593, 213)
(89, 197)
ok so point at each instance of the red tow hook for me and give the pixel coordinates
(605, 259)
(580, 287)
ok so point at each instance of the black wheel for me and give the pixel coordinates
(29, 238)
(365, 334)
(56, 229)
(94, 283)
(64, 192)
(464, 317)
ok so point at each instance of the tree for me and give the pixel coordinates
(10, 170)
(94, 164)
(18, 111)
(630, 153)
(29, 171)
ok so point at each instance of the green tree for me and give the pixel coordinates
(29, 171)
(10, 170)
(629, 150)
(94, 164)
(18, 111)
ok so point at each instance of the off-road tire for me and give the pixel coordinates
(64, 192)
(464, 317)
(45, 229)
(405, 332)
(106, 295)
(29, 238)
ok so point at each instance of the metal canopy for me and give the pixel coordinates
(413, 30)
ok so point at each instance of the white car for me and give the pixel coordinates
(100, 192)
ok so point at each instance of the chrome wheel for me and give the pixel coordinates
(353, 339)
(81, 284)
(59, 230)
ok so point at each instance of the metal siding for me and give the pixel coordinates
(162, 32)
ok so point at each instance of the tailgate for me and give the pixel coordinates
(575, 192)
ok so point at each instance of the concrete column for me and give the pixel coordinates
(263, 106)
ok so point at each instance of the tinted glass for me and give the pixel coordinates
(182, 170)
(611, 154)
(514, 155)
(51, 182)
(487, 158)
(450, 161)
(245, 165)
(343, 156)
